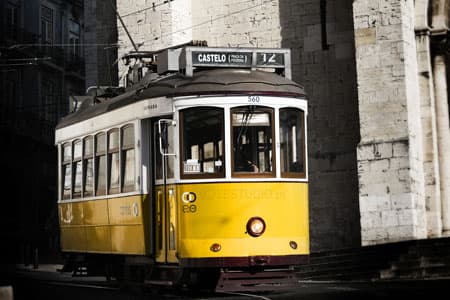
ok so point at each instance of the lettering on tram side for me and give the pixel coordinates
(188, 199)
(129, 210)
(151, 106)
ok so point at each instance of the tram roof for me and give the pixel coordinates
(211, 82)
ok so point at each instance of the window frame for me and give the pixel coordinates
(109, 161)
(123, 163)
(77, 161)
(97, 155)
(86, 158)
(299, 175)
(64, 164)
(202, 175)
(47, 24)
(249, 174)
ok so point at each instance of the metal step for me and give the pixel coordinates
(158, 282)
(267, 280)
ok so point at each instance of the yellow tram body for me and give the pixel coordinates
(204, 169)
(218, 215)
(226, 208)
(115, 225)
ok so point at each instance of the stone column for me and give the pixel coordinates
(443, 133)
(390, 153)
(439, 35)
(428, 117)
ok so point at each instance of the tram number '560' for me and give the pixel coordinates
(253, 99)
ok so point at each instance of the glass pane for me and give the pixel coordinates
(291, 141)
(171, 149)
(252, 139)
(128, 170)
(159, 159)
(88, 177)
(77, 149)
(100, 173)
(100, 143)
(128, 136)
(67, 153)
(67, 181)
(77, 179)
(158, 156)
(202, 141)
(113, 171)
(113, 139)
(88, 146)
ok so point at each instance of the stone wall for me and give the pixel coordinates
(390, 156)
(320, 34)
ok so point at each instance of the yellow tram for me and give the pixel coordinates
(199, 168)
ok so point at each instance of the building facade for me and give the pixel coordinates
(376, 73)
(41, 65)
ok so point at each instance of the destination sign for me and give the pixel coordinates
(221, 58)
(270, 59)
(240, 59)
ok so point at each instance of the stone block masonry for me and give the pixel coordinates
(390, 153)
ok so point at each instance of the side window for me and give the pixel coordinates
(252, 141)
(100, 164)
(128, 159)
(292, 142)
(88, 166)
(202, 147)
(113, 161)
(66, 170)
(76, 168)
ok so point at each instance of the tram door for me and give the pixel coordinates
(165, 196)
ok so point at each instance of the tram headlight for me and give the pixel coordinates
(256, 226)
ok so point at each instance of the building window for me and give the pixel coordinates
(47, 25)
(74, 39)
(12, 20)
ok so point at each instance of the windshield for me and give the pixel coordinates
(252, 138)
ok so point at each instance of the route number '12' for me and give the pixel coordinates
(268, 58)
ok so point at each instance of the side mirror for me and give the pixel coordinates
(163, 131)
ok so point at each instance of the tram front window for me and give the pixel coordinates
(202, 142)
(252, 134)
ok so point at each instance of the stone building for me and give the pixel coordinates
(376, 75)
